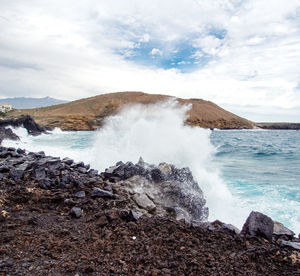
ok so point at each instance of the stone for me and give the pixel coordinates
(295, 245)
(76, 212)
(230, 229)
(97, 192)
(258, 224)
(129, 215)
(82, 170)
(1, 176)
(68, 161)
(280, 230)
(144, 202)
(80, 194)
(16, 174)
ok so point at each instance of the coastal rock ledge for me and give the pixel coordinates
(60, 217)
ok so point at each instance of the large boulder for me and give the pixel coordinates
(159, 190)
(258, 224)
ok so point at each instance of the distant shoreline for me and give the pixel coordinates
(279, 126)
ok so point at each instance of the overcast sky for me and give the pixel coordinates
(242, 55)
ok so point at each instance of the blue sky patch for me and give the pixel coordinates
(182, 56)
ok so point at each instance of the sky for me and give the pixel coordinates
(242, 55)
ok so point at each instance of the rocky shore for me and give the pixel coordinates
(59, 217)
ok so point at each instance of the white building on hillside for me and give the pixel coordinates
(5, 107)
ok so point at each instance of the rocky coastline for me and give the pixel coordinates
(60, 217)
(63, 218)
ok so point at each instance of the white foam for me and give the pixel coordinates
(157, 133)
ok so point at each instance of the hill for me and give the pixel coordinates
(24, 102)
(89, 113)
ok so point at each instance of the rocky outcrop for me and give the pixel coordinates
(147, 189)
(283, 126)
(159, 190)
(24, 121)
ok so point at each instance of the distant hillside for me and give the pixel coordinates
(24, 103)
(89, 113)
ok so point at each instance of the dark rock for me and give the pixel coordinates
(68, 161)
(76, 212)
(40, 173)
(25, 121)
(16, 174)
(7, 133)
(157, 175)
(1, 176)
(82, 170)
(258, 224)
(294, 245)
(5, 168)
(107, 187)
(97, 192)
(129, 215)
(280, 230)
(21, 151)
(45, 183)
(93, 172)
(80, 194)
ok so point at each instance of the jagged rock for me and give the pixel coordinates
(258, 224)
(97, 192)
(25, 121)
(76, 212)
(280, 230)
(164, 188)
(295, 245)
(7, 133)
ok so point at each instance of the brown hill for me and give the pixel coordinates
(89, 113)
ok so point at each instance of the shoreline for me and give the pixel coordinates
(62, 217)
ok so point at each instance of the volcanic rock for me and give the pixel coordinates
(258, 224)
(76, 212)
(280, 230)
(159, 190)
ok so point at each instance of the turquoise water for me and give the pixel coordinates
(262, 169)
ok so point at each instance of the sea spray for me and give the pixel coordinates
(158, 133)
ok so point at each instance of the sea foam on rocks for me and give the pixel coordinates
(159, 190)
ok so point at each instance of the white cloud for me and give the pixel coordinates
(156, 52)
(72, 49)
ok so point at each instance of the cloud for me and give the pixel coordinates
(155, 52)
(234, 53)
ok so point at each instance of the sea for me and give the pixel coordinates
(238, 170)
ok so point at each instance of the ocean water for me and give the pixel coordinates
(238, 171)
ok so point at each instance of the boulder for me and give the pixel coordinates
(258, 224)
(280, 230)
(294, 245)
(97, 192)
